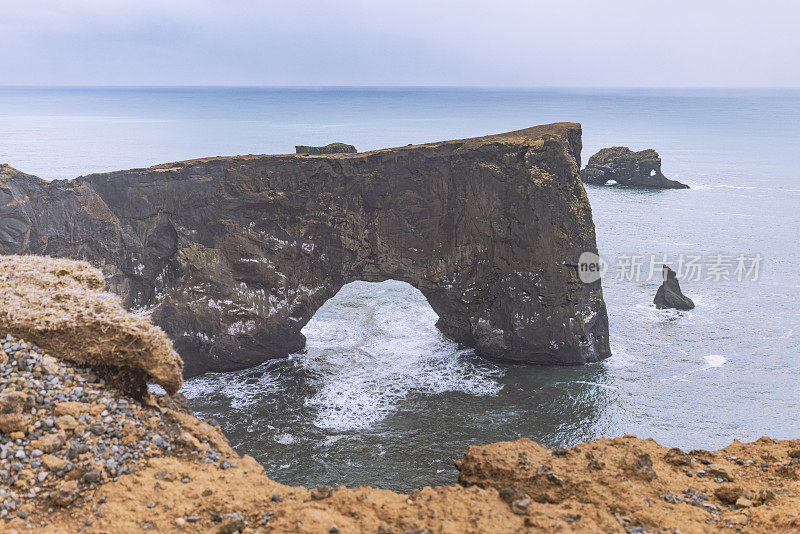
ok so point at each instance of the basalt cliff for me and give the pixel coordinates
(232, 256)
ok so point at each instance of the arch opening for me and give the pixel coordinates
(375, 344)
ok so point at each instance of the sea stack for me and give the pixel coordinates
(620, 165)
(669, 294)
(333, 148)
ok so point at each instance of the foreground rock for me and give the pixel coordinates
(61, 306)
(669, 293)
(620, 165)
(233, 256)
(333, 148)
(65, 434)
(632, 485)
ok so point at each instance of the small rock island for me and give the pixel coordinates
(669, 295)
(620, 165)
(332, 148)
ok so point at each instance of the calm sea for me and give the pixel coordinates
(379, 396)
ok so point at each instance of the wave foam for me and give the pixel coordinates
(715, 360)
(242, 388)
(384, 349)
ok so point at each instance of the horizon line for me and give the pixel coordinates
(389, 86)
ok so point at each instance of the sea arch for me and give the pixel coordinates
(233, 256)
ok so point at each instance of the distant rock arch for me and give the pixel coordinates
(232, 256)
(619, 165)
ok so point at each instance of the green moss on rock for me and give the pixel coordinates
(199, 257)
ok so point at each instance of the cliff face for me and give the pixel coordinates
(232, 256)
(637, 169)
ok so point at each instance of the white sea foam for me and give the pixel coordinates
(243, 391)
(361, 363)
(284, 439)
(385, 349)
(727, 186)
(715, 360)
(697, 186)
(620, 358)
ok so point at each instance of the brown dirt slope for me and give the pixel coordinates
(601, 486)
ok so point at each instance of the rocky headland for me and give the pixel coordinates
(619, 165)
(78, 454)
(232, 256)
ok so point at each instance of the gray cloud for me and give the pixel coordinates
(408, 42)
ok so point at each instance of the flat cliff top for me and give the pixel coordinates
(557, 130)
(77, 454)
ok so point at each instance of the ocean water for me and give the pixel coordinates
(379, 396)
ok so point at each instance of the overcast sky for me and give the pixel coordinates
(401, 42)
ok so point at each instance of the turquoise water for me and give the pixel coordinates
(379, 396)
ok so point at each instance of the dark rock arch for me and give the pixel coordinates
(232, 256)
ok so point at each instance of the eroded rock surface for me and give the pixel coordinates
(232, 256)
(632, 485)
(625, 167)
(332, 148)
(62, 307)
